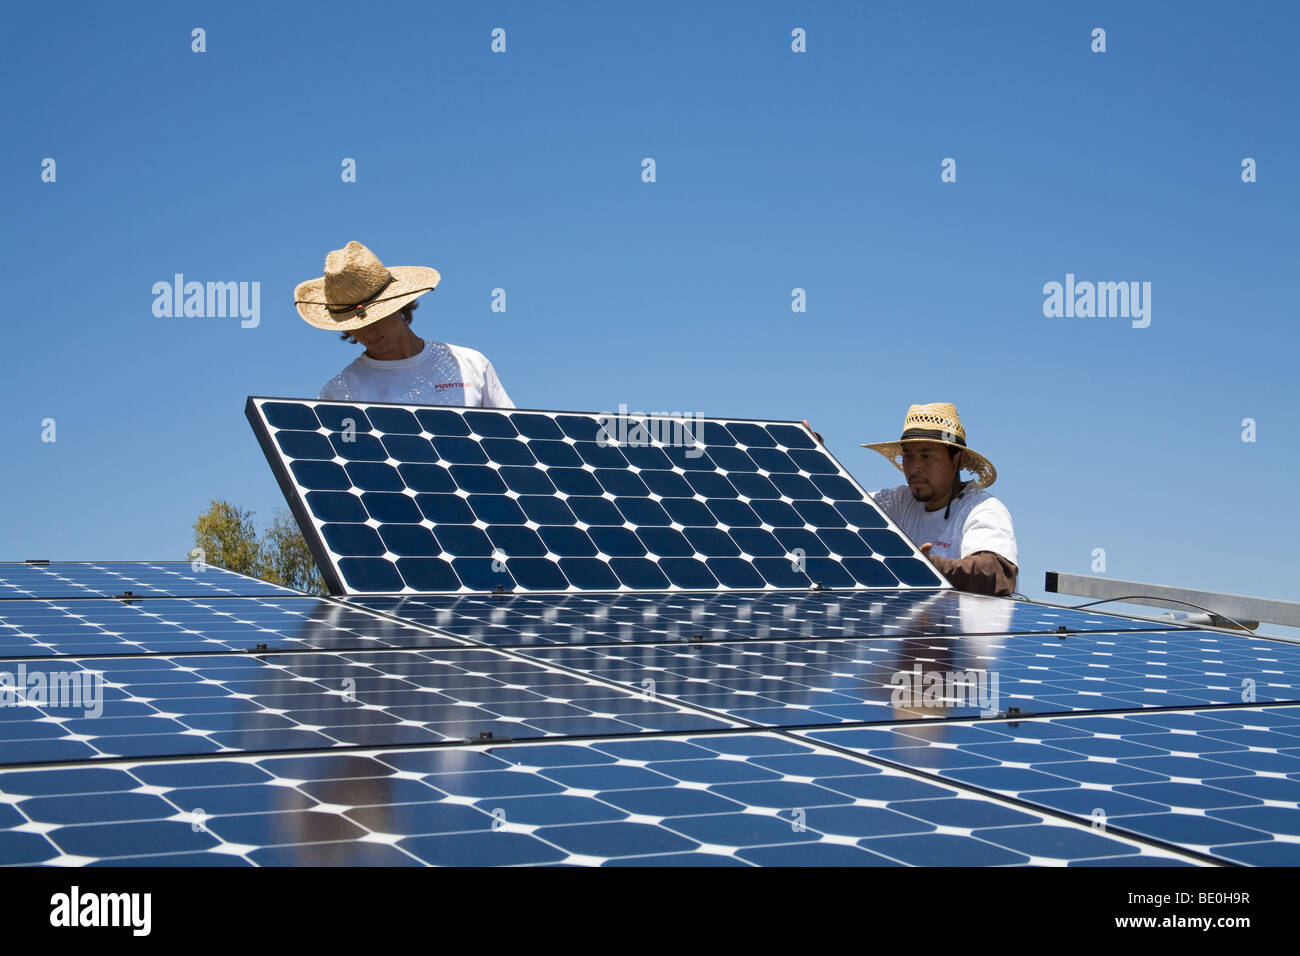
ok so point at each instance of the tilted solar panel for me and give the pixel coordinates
(415, 499)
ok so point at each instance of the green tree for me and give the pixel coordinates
(225, 536)
(285, 557)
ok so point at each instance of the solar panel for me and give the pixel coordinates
(723, 799)
(808, 682)
(1224, 782)
(530, 619)
(91, 626)
(67, 579)
(158, 705)
(415, 499)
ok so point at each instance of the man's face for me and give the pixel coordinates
(382, 336)
(929, 469)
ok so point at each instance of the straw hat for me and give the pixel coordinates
(939, 422)
(357, 289)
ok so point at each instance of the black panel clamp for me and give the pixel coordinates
(1017, 712)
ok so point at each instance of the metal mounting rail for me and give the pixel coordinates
(1232, 607)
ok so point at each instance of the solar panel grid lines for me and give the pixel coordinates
(21, 580)
(790, 706)
(421, 499)
(158, 706)
(733, 799)
(1095, 820)
(1223, 783)
(87, 627)
(300, 700)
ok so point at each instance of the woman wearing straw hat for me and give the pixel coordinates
(373, 305)
(967, 533)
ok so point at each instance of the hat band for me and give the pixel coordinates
(933, 434)
(339, 309)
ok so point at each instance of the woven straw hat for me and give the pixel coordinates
(939, 422)
(357, 289)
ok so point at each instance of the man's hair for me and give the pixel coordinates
(406, 312)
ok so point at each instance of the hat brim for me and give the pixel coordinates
(409, 283)
(976, 463)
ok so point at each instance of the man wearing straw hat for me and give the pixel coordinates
(964, 531)
(373, 305)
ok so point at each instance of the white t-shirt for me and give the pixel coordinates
(977, 522)
(439, 374)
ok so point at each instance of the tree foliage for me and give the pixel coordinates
(286, 558)
(225, 536)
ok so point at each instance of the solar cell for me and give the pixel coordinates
(413, 499)
(722, 799)
(1225, 782)
(67, 579)
(530, 619)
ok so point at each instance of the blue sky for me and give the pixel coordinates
(775, 171)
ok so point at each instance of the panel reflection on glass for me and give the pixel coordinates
(524, 619)
(810, 682)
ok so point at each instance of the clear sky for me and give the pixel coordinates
(775, 171)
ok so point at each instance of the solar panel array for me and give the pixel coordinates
(414, 499)
(280, 728)
(176, 714)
